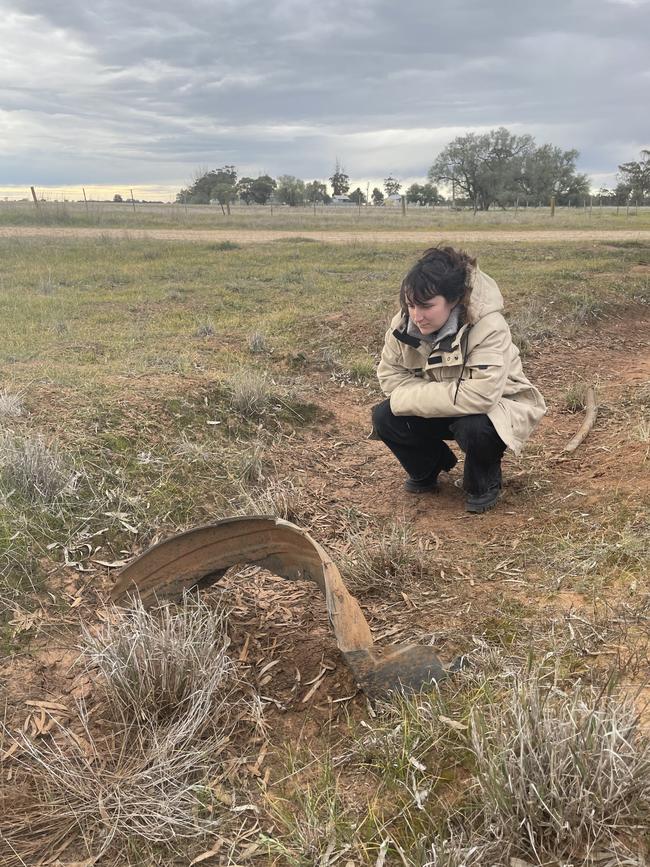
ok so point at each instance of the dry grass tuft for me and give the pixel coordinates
(257, 344)
(279, 498)
(527, 326)
(547, 775)
(151, 787)
(392, 556)
(575, 397)
(205, 329)
(165, 689)
(252, 393)
(33, 468)
(253, 464)
(11, 405)
(170, 662)
(561, 772)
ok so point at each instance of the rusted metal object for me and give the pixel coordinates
(198, 558)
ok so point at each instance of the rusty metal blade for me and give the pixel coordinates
(199, 557)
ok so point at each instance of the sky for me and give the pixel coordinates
(114, 95)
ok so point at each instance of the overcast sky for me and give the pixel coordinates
(134, 93)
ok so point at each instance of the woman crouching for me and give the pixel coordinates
(451, 372)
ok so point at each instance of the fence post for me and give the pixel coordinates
(403, 206)
(34, 197)
(83, 189)
(552, 206)
(133, 201)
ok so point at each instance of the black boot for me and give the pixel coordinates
(429, 484)
(479, 503)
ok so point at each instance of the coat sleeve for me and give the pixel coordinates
(391, 371)
(479, 390)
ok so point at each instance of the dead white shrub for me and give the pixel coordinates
(34, 468)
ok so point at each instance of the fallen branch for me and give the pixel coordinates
(591, 408)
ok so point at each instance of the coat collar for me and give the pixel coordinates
(449, 342)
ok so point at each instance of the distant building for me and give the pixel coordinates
(341, 200)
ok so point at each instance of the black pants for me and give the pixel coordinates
(418, 444)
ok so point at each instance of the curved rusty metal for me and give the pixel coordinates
(198, 558)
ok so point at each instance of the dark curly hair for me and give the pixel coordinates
(439, 271)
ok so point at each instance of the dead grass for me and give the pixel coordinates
(169, 662)
(151, 788)
(257, 343)
(11, 404)
(253, 394)
(147, 774)
(575, 397)
(509, 761)
(205, 329)
(34, 468)
(529, 325)
(278, 498)
(392, 556)
(563, 772)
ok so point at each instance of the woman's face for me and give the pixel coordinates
(431, 315)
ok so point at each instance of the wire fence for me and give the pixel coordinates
(137, 207)
(91, 193)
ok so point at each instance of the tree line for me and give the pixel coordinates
(496, 168)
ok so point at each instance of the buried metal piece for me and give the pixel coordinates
(198, 558)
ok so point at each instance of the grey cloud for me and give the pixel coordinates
(285, 85)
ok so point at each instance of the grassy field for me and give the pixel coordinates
(109, 214)
(149, 387)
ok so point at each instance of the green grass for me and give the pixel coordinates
(109, 214)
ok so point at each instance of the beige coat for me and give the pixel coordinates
(477, 371)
